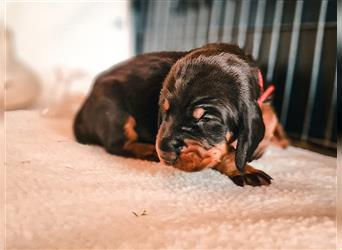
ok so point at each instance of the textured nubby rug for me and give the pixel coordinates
(61, 194)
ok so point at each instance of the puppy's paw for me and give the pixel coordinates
(255, 178)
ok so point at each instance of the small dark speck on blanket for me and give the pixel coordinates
(137, 215)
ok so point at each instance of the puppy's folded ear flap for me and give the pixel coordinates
(251, 132)
(159, 118)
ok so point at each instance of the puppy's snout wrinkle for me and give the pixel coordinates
(171, 144)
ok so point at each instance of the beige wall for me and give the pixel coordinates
(86, 36)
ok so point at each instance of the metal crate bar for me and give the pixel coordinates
(332, 113)
(274, 39)
(259, 21)
(291, 61)
(243, 22)
(315, 69)
(228, 22)
(215, 17)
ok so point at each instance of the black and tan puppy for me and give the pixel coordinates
(188, 107)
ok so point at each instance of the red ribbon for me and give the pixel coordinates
(264, 94)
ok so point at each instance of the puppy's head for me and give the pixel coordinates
(208, 99)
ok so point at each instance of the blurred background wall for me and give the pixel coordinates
(294, 43)
(67, 36)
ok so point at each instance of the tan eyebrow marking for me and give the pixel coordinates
(166, 105)
(198, 113)
(229, 136)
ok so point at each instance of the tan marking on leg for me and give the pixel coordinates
(140, 150)
(280, 138)
(227, 165)
(272, 128)
(270, 120)
(130, 133)
(251, 176)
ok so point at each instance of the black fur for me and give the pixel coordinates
(220, 78)
(130, 88)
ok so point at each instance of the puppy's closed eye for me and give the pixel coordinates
(202, 115)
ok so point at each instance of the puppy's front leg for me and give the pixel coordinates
(251, 176)
(142, 151)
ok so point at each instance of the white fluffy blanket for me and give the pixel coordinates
(61, 194)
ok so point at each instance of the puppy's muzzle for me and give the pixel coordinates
(169, 149)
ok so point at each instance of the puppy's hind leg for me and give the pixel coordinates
(138, 149)
(104, 121)
(280, 138)
(122, 139)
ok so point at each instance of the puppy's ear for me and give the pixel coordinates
(251, 132)
(159, 118)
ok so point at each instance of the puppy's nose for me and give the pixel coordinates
(171, 145)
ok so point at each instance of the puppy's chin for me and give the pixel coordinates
(190, 162)
(194, 157)
(167, 158)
